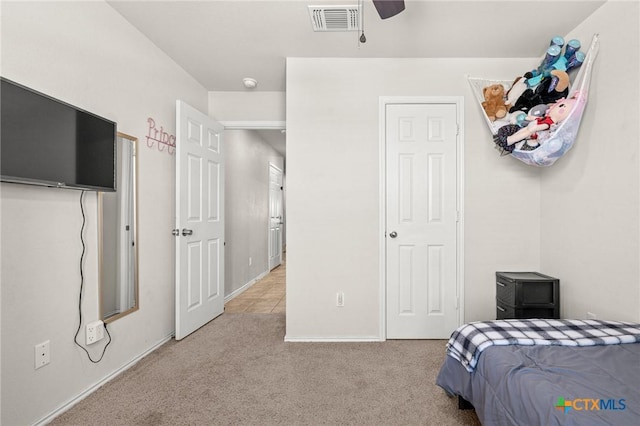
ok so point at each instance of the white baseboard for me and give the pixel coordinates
(333, 339)
(245, 287)
(82, 395)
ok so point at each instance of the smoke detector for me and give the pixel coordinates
(335, 18)
(249, 83)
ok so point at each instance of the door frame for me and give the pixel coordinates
(458, 101)
(256, 125)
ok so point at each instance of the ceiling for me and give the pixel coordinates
(221, 42)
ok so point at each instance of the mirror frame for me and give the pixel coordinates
(136, 305)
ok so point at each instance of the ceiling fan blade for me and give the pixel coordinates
(388, 8)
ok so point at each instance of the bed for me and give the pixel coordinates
(546, 372)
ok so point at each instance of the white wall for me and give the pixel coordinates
(333, 189)
(247, 106)
(86, 54)
(591, 198)
(247, 158)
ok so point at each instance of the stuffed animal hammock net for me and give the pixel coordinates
(559, 137)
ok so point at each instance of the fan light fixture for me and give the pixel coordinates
(249, 83)
(388, 8)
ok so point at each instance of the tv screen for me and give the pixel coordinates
(44, 141)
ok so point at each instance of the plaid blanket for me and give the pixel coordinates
(469, 340)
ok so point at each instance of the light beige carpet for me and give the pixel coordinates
(237, 370)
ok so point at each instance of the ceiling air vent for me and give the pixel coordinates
(335, 18)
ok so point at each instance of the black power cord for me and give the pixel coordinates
(75, 338)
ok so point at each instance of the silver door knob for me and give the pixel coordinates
(393, 234)
(186, 232)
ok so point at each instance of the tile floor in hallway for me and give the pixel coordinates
(264, 297)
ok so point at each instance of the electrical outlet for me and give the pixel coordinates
(250, 261)
(340, 299)
(95, 332)
(41, 354)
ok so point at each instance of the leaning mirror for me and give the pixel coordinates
(117, 213)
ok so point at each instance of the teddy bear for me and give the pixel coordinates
(493, 104)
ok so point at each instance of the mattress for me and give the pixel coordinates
(550, 385)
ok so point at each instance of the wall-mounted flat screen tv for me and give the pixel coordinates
(44, 141)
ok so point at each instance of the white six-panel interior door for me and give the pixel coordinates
(422, 212)
(199, 219)
(276, 216)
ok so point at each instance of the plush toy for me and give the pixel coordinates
(537, 111)
(493, 104)
(550, 81)
(500, 138)
(508, 135)
(518, 87)
(555, 60)
(527, 99)
(549, 91)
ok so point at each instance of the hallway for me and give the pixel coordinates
(267, 296)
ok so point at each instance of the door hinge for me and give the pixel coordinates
(457, 129)
(458, 216)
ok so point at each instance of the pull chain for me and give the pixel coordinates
(362, 38)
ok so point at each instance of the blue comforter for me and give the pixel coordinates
(550, 385)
